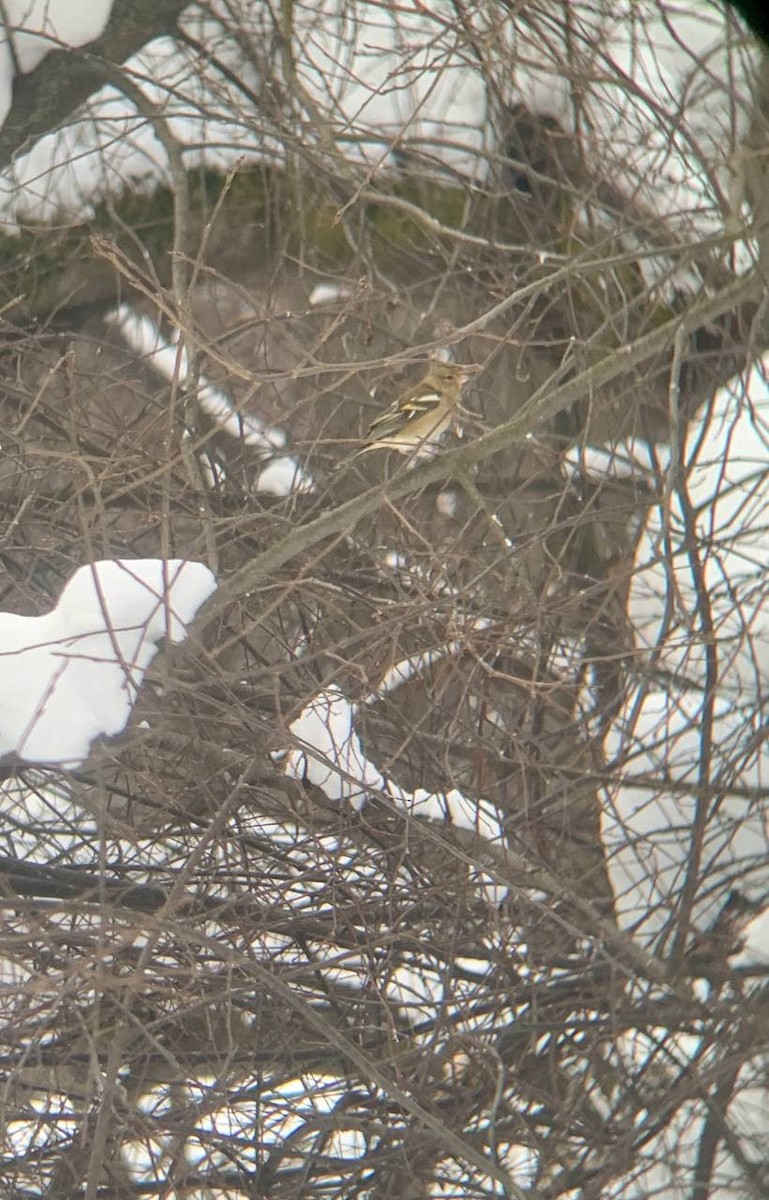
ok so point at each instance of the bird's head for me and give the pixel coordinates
(451, 375)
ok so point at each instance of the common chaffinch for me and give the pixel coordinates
(420, 415)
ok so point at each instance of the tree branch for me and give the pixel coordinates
(44, 99)
(543, 405)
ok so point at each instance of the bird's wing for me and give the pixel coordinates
(403, 411)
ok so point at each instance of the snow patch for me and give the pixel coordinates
(73, 674)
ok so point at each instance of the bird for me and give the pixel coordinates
(421, 414)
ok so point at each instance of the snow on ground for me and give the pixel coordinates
(690, 801)
(679, 59)
(390, 78)
(667, 1159)
(329, 293)
(32, 28)
(685, 823)
(652, 816)
(328, 753)
(73, 674)
(726, 457)
(632, 459)
(404, 80)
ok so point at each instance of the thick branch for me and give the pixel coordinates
(47, 96)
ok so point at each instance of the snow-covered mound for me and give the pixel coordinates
(73, 674)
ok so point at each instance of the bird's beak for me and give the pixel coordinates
(467, 370)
